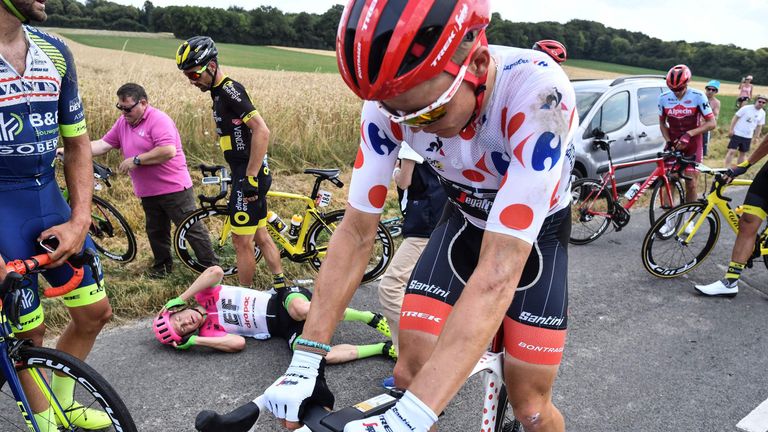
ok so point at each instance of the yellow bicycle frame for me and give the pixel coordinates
(714, 201)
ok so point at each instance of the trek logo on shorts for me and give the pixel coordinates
(423, 314)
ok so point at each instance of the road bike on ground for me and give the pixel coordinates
(496, 413)
(597, 204)
(19, 358)
(109, 229)
(394, 225)
(310, 243)
(683, 237)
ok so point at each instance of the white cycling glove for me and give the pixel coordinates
(302, 383)
(408, 415)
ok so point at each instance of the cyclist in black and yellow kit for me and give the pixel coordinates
(755, 212)
(243, 137)
(39, 102)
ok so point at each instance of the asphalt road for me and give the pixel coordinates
(642, 354)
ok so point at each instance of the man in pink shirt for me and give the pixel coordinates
(153, 157)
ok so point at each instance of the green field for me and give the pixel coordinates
(258, 57)
(622, 69)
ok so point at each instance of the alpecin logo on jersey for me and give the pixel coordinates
(680, 111)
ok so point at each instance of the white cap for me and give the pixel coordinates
(406, 152)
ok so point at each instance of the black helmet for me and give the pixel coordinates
(195, 51)
(15, 11)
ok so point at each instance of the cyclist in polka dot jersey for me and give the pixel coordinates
(495, 125)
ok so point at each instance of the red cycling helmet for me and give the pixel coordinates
(555, 49)
(384, 48)
(678, 77)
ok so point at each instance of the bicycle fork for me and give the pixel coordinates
(491, 363)
(9, 372)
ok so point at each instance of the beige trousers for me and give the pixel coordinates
(392, 285)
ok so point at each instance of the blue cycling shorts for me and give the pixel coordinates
(25, 213)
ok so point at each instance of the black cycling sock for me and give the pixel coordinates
(278, 281)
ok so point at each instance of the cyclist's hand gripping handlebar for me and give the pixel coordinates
(35, 264)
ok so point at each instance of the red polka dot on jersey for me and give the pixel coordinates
(503, 180)
(517, 216)
(473, 175)
(396, 131)
(360, 159)
(377, 195)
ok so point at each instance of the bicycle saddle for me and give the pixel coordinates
(324, 173)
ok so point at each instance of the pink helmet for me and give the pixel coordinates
(163, 329)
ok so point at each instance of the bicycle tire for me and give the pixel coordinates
(320, 231)
(91, 389)
(671, 255)
(110, 231)
(508, 422)
(214, 219)
(591, 210)
(655, 207)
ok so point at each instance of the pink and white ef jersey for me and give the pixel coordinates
(683, 114)
(509, 170)
(234, 310)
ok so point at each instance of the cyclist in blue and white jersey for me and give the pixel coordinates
(494, 124)
(39, 102)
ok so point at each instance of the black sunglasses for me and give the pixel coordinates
(711, 89)
(126, 109)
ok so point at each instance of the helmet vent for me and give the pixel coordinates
(428, 35)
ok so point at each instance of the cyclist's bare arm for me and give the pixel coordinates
(79, 177)
(405, 175)
(759, 152)
(229, 343)
(465, 337)
(259, 144)
(664, 129)
(708, 125)
(340, 273)
(212, 276)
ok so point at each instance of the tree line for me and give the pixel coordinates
(588, 40)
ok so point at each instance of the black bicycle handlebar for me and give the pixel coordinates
(102, 173)
(213, 171)
(315, 417)
(717, 186)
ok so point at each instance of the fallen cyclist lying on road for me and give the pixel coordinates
(223, 315)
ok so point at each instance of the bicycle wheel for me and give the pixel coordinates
(110, 231)
(591, 209)
(656, 208)
(92, 391)
(667, 252)
(215, 221)
(320, 233)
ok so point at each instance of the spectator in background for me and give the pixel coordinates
(422, 201)
(712, 88)
(746, 126)
(152, 155)
(745, 91)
